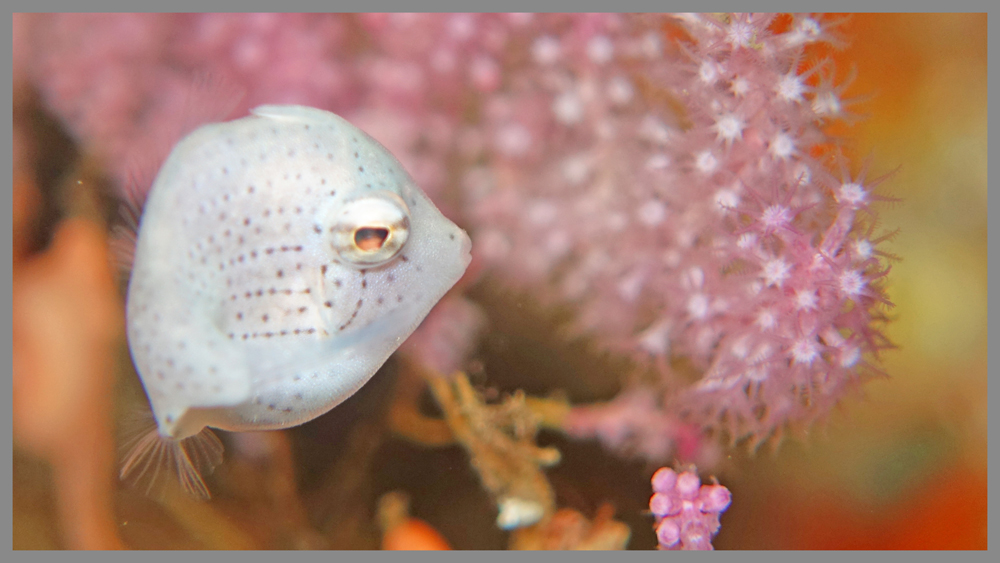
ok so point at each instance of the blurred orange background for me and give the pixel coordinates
(905, 468)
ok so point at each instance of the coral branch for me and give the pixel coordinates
(500, 442)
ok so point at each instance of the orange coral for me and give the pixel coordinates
(66, 324)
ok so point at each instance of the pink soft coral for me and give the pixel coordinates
(687, 512)
(667, 189)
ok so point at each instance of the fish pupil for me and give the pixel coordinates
(370, 238)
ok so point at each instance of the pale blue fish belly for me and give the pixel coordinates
(248, 307)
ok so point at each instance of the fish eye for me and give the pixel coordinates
(370, 238)
(371, 230)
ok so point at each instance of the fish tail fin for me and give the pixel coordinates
(152, 458)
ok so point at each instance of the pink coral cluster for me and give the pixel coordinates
(667, 188)
(687, 512)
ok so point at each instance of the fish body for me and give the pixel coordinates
(280, 259)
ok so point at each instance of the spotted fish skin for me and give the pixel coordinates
(241, 313)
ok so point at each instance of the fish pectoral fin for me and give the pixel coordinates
(153, 461)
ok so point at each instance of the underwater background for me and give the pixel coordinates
(903, 468)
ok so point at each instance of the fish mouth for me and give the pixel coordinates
(466, 251)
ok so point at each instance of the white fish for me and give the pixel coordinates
(280, 259)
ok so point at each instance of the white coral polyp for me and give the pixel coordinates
(706, 162)
(782, 146)
(804, 352)
(851, 283)
(826, 104)
(775, 217)
(776, 272)
(697, 306)
(850, 357)
(790, 88)
(726, 200)
(740, 34)
(709, 72)
(852, 193)
(805, 299)
(863, 249)
(729, 128)
(766, 319)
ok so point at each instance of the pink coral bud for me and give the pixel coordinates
(661, 505)
(714, 498)
(687, 485)
(668, 533)
(687, 513)
(664, 480)
(696, 537)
